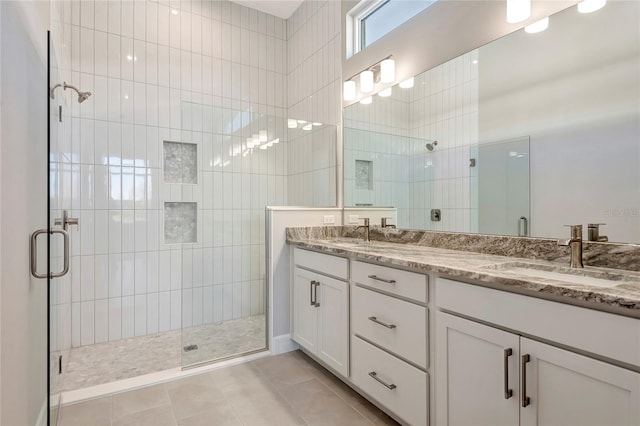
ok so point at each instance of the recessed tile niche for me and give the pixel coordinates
(180, 162)
(364, 175)
(180, 222)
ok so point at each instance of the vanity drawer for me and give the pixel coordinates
(408, 399)
(393, 281)
(323, 263)
(405, 332)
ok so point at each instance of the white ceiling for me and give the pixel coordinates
(280, 8)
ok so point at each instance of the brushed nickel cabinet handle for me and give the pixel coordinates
(525, 399)
(315, 294)
(384, 280)
(311, 301)
(374, 375)
(508, 393)
(377, 321)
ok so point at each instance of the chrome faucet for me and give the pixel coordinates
(575, 243)
(384, 223)
(366, 228)
(593, 232)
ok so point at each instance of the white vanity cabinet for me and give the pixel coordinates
(320, 311)
(390, 339)
(488, 376)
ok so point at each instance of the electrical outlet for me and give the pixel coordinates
(354, 219)
(329, 219)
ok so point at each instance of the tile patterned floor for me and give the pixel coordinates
(287, 389)
(107, 362)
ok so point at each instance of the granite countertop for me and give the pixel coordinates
(621, 294)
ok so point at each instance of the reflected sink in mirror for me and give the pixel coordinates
(590, 277)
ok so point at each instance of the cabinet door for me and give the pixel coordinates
(333, 324)
(570, 389)
(305, 314)
(470, 373)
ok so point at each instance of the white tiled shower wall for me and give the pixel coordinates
(314, 94)
(142, 62)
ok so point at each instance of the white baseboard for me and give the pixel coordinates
(282, 344)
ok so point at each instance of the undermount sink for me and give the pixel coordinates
(604, 279)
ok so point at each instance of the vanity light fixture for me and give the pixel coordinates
(537, 26)
(275, 141)
(302, 121)
(383, 71)
(349, 90)
(386, 92)
(262, 136)
(387, 71)
(367, 100)
(518, 10)
(317, 124)
(589, 6)
(307, 126)
(292, 123)
(250, 143)
(366, 81)
(407, 84)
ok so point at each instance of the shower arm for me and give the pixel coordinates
(64, 86)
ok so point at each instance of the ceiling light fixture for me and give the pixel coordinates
(537, 26)
(518, 10)
(589, 6)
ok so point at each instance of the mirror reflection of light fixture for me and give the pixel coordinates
(349, 90)
(588, 6)
(263, 136)
(366, 81)
(317, 124)
(367, 100)
(537, 26)
(307, 126)
(292, 123)
(385, 93)
(387, 71)
(518, 10)
(407, 84)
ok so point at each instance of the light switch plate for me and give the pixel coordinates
(329, 219)
(354, 219)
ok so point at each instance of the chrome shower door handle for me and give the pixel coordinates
(34, 253)
(523, 227)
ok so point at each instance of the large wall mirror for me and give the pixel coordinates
(526, 134)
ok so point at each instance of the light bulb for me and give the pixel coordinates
(349, 90)
(263, 136)
(366, 81)
(537, 26)
(386, 92)
(387, 71)
(292, 123)
(407, 84)
(588, 6)
(367, 100)
(518, 10)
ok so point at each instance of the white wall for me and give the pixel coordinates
(23, 186)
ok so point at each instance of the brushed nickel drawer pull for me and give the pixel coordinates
(311, 301)
(384, 280)
(508, 393)
(374, 375)
(525, 399)
(377, 321)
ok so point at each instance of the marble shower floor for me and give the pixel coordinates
(122, 359)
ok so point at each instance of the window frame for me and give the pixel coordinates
(354, 24)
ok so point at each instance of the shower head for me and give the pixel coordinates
(83, 96)
(431, 146)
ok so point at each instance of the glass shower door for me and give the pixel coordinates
(59, 287)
